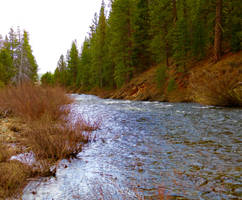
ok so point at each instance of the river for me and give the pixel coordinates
(148, 149)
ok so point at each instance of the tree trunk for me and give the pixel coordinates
(218, 31)
(174, 11)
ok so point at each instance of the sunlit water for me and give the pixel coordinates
(185, 151)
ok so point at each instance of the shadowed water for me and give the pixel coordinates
(185, 151)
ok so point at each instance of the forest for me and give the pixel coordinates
(17, 62)
(138, 34)
(129, 39)
(154, 50)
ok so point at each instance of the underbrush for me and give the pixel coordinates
(4, 153)
(50, 136)
(221, 87)
(12, 177)
(31, 102)
(57, 140)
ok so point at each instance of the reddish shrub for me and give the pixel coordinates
(31, 102)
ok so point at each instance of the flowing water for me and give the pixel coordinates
(147, 149)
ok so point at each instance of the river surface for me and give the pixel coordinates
(146, 149)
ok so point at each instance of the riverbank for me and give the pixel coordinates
(203, 82)
(35, 134)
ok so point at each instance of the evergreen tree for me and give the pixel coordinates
(100, 51)
(141, 50)
(28, 60)
(6, 66)
(84, 74)
(24, 63)
(218, 31)
(73, 64)
(199, 32)
(121, 45)
(163, 16)
(60, 75)
(47, 79)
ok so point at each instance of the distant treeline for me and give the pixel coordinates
(17, 63)
(140, 33)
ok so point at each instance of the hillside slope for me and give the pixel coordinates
(200, 81)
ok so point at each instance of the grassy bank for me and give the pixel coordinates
(203, 82)
(33, 119)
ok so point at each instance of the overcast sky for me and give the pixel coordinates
(51, 24)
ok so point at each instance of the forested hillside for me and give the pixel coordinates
(138, 34)
(17, 63)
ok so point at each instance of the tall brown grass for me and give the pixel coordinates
(12, 177)
(221, 87)
(4, 153)
(31, 102)
(57, 140)
(49, 134)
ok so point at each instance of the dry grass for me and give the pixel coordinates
(31, 102)
(55, 140)
(4, 153)
(221, 87)
(12, 177)
(48, 134)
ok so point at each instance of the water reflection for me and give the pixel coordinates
(185, 151)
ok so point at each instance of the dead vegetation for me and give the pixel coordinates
(219, 88)
(47, 133)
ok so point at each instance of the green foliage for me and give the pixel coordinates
(161, 22)
(17, 62)
(121, 44)
(73, 64)
(1, 84)
(6, 66)
(140, 33)
(28, 59)
(161, 76)
(84, 71)
(141, 51)
(61, 73)
(181, 44)
(171, 85)
(47, 79)
(233, 24)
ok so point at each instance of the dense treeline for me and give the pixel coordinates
(140, 33)
(17, 63)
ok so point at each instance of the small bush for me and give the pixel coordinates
(220, 88)
(161, 76)
(57, 140)
(2, 84)
(171, 85)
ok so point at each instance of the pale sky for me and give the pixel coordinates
(51, 24)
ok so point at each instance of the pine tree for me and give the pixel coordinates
(6, 66)
(73, 64)
(218, 31)
(29, 61)
(121, 44)
(141, 50)
(60, 75)
(47, 79)
(181, 36)
(22, 56)
(199, 33)
(100, 51)
(84, 80)
(163, 16)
